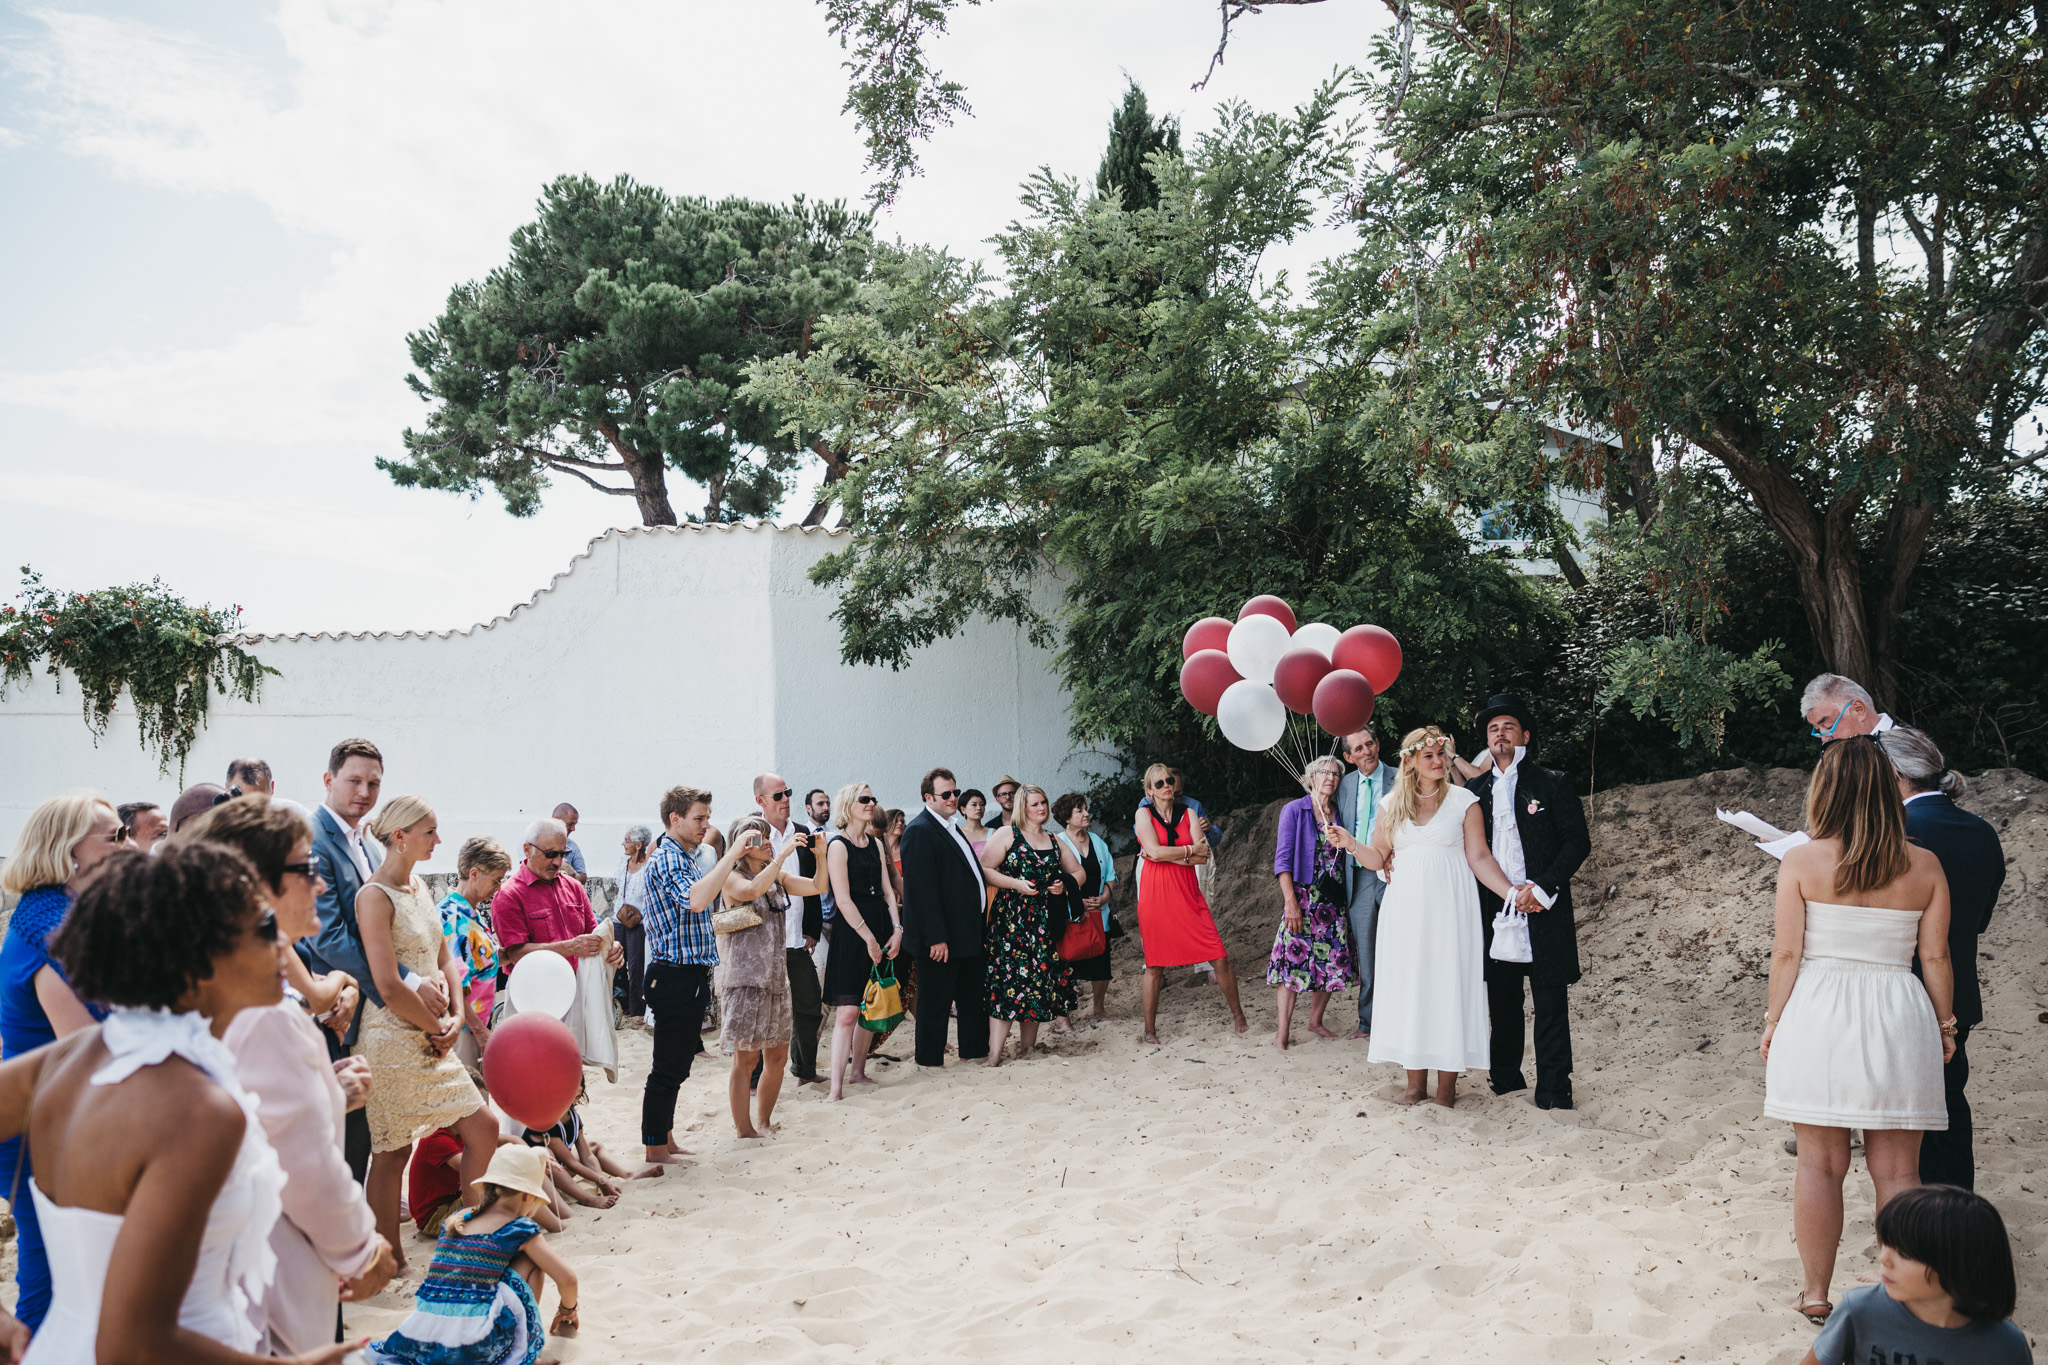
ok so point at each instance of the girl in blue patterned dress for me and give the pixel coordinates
(480, 1303)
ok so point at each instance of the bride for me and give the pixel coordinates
(1429, 1006)
(155, 1184)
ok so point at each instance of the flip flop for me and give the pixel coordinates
(1817, 1311)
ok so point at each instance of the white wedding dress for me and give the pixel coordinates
(235, 1259)
(1429, 986)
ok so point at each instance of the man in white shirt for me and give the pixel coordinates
(1836, 707)
(802, 927)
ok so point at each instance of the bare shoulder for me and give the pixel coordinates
(1922, 863)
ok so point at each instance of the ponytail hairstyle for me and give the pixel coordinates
(1918, 759)
(1854, 797)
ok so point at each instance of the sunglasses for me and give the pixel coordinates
(946, 796)
(552, 854)
(264, 929)
(121, 834)
(304, 869)
(782, 795)
(1162, 782)
(863, 800)
(1825, 735)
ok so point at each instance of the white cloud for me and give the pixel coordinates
(9, 139)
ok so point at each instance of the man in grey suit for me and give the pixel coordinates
(1358, 805)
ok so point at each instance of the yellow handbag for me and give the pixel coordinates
(881, 1007)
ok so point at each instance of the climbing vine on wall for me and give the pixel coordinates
(167, 654)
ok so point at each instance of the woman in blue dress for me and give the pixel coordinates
(62, 845)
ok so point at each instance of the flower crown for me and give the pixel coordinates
(1428, 741)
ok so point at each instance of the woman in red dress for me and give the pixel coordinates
(1174, 922)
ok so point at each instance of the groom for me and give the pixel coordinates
(1537, 830)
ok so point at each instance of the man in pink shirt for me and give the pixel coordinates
(539, 909)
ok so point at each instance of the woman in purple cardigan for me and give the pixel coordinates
(1312, 950)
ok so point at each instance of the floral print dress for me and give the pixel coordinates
(1026, 978)
(1319, 957)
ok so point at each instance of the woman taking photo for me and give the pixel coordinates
(870, 928)
(1312, 948)
(419, 1083)
(156, 1187)
(1174, 923)
(1429, 1007)
(1851, 1039)
(1028, 984)
(1097, 873)
(325, 1238)
(752, 976)
(635, 849)
(62, 846)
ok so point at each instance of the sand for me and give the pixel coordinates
(1213, 1199)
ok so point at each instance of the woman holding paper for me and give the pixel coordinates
(1851, 1039)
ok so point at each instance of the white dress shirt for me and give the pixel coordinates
(793, 921)
(966, 849)
(1507, 836)
(352, 840)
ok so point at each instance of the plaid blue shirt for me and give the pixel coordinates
(675, 933)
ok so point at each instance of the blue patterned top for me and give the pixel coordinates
(675, 932)
(458, 1317)
(23, 1025)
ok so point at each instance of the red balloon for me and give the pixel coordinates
(1343, 702)
(1211, 632)
(1296, 675)
(533, 1069)
(1203, 679)
(1265, 604)
(1371, 651)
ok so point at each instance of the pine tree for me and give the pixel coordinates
(1133, 136)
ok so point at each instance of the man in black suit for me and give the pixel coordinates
(944, 908)
(1974, 862)
(1537, 831)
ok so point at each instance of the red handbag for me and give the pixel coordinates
(1084, 938)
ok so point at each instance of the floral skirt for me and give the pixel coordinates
(1319, 957)
(1026, 979)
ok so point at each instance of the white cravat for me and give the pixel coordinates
(966, 849)
(1507, 836)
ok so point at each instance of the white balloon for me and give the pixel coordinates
(544, 983)
(1256, 644)
(1319, 636)
(1250, 714)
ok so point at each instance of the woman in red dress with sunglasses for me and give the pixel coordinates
(1174, 922)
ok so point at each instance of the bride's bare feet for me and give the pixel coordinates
(1414, 1096)
(1447, 1091)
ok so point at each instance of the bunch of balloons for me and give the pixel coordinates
(1249, 673)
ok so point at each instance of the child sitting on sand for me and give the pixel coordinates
(1948, 1289)
(480, 1303)
(577, 1154)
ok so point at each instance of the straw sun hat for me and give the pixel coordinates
(516, 1166)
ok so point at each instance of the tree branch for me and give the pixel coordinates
(625, 492)
(1234, 10)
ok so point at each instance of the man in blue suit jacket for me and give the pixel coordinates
(1358, 805)
(1974, 862)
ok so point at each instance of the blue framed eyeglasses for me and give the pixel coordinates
(1825, 736)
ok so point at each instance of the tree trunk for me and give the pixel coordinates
(837, 461)
(715, 503)
(650, 480)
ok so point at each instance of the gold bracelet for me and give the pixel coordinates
(1770, 1022)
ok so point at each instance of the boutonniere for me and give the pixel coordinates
(1535, 806)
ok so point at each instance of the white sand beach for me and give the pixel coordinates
(1212, 1199)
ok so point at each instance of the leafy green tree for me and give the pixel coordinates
(1807, 242)
(611, 348)
(145, 640)
(1134, 138)
(897, 96)
(1132, 420)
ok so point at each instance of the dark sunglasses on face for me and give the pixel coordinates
(304, 869)
(1162, 782)
(946, 796)
(863, 800)
(782, 795)
(551, 854)
(265, 928)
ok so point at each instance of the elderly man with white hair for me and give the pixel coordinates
(540, 910)
(1839, 708)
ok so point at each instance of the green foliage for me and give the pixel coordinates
(613, 343)
(1133, 421)
(895, 94)
(1134, 139)
(142, 639)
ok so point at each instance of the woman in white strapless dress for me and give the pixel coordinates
(1851, 1038)
(1429, 984)
(153, 1178)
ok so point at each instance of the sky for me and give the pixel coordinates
(224, 216)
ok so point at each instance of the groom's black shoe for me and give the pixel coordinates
(1553, 1101)
(1510, 1088)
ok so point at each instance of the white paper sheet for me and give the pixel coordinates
(1769, 837)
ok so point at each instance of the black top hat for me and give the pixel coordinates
(1505, 704)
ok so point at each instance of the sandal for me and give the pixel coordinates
(1817, 1311)
(565, 1323)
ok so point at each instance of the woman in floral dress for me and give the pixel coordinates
(1312, 948)
(1028, 984)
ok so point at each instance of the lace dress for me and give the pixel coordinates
(752, 979)
(414, 1091)
(1026, 978)
(235, 1263)
(471, 1309)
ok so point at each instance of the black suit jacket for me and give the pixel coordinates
(942, 896)
(1554, 843)
(1974, 862)
(814, 906)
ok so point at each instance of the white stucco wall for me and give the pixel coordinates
(663, 655)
